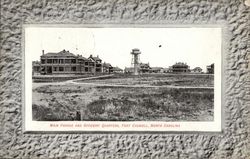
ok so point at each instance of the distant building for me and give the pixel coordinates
(107, 68)
(156, 70)
(117, 70)
(166, 70)
(129, 70)
(36, 66)
(170, 69)
(210, 69)
(180, 67)
(98, 63)
(196, 70)
(144, 68)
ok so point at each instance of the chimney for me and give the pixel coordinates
(43, 52)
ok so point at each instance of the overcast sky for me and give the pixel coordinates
(161, 47)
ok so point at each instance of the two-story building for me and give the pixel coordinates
(180, 67)
(97, 63)
(65, 62)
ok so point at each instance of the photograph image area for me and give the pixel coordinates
(122, 74)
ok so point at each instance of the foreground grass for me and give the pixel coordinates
(89, 103)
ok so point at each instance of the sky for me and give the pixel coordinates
(161, 47)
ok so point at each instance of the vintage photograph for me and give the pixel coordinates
(123, 74)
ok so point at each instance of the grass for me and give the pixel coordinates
(103, 103)
(199, 80)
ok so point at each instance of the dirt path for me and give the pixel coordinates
(35, 85)
(137, 86)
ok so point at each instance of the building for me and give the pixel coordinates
(166, 70)
(36, 66)
(196, 70)
(97, 63)
(129, 70)
(169, 69)
(117, 70)
(65, 62)
(210, 69)
(156, 70)
(144, 68)
(107, 68)
(180, 67)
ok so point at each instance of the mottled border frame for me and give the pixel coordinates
(233, 142)
(224, 47)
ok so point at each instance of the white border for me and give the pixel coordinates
(41, 126)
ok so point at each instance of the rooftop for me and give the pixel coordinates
(95, 58)
(135, 51)
(61, 53)
(180, 64)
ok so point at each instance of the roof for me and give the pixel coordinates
(81, 57)
(107, 64)
(117, 69)
(180, 64)
(135, 51)
(61, 53)
(36, 63)
(95, 58)
(196, 68)
(144, 64)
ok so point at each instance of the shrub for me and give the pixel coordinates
(97, 107)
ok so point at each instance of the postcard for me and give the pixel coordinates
(122, 78)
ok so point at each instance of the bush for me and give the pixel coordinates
(97, 107)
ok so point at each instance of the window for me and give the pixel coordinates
(86, 63)
(61, 61)
(61, 69)
(73, 68)
(67, 61)
(49, 60)
(80, 61)
(55, 61)
(67, 69)
(55, 68)
(86, 69)
(43, 61)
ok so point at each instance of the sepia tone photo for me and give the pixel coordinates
(123, 75)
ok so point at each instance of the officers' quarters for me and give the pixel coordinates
(65, 62)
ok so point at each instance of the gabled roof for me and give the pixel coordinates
(81, 57)
(61, 53)
(95, 58)
(107, 64)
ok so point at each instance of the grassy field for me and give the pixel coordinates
(198, 80)
(117, 103)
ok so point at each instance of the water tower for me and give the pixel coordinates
(135, 60)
